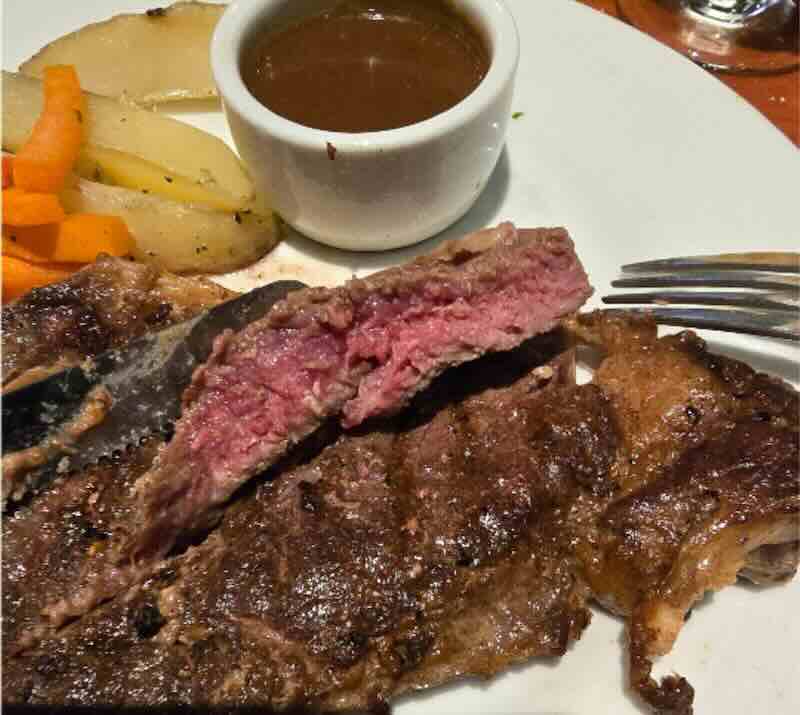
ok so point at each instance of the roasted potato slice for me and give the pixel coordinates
(127, 141)
(178, 237)
(149, 58)
(109, 166)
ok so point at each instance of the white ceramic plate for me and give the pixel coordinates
(641, 155)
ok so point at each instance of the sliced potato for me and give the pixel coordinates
(109, 166)
(148, 58)
(183, 153)
(179, 237)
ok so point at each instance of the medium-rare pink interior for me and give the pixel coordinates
(363, 350)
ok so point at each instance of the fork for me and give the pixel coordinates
(769, 305)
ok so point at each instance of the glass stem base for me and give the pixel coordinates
(726, 35)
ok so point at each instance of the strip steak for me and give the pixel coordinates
(456, 538)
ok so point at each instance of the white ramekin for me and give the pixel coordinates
(373, 190)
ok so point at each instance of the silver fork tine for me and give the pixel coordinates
(764, 301)
(773, 261)
(770, 305)
(713, 279)
(773, 324)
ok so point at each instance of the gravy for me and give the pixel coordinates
(367, 65)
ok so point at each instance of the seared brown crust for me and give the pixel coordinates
(351, 578)
(436, 545)
(58, 539)
(671, 394)
(101, 306)
(690, 532)
(707, 475)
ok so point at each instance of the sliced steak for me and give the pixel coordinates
(100, 307)
(360, 350)
(395, 559)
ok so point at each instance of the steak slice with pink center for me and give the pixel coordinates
(360, 350)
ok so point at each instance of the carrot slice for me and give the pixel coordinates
(7, 170)
(83, 235)
(26, 208)
(43, 162)
(79, 238)
(17, 248)
(20, 276)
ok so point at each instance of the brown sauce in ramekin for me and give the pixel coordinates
(367, 65)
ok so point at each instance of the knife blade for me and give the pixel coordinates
(140, 384)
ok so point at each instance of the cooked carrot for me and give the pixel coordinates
(16, 248)
(7, 170)
(79, 238)
(26, 208)
(20, 276)
(83, 236)
(44, 161)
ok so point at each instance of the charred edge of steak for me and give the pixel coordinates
(672, 696)
(363, 349)
(100, 307)
(735, 494)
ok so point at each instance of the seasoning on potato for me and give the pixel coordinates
(175, 236)
(183, 195)
(142, 149)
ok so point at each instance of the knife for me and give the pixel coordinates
(119, 396)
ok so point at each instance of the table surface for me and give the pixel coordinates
(775, 95)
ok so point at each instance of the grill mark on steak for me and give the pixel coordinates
(58, 540)
(361, 350)
(363, 597)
